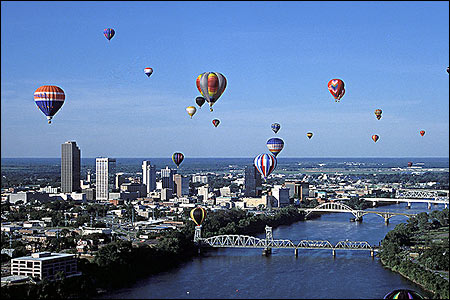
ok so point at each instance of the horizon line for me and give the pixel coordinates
(230, 157)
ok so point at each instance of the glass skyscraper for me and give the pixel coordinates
(70, 168)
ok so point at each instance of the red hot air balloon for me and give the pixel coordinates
(422, 132)
(375, 138)
(216, 122)
(378, 113)
(336, 88)
(198, 214)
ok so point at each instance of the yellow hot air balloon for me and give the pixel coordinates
(191, 110)
(309, 135)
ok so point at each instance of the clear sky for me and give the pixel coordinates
(277, 57)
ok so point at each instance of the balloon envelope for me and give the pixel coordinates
(422, 132)
(265, 164)
(216, 122)
(148, 71)
(49, 99)
(309, 135)
(375, 138)
(275, 145)
(336, 88)
(191, 110)
(109, 33)
(403, 294)
(275, 127)
(211, 85)
(177, 158)
(198, 214)
(378, 113)
(410, 164)
(200, 101)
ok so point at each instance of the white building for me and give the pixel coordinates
(104, 173)
(148, 176)
(200, 178)
(203, 191)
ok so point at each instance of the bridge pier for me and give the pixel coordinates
(334, 253)
(408, 205)
(359, 219)
(386, 220)
(267, 252)
(371, 253)
(429, 205)
(374, 203)
(296, 252)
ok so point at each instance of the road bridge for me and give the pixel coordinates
(268, 243)
(415, 196)
(337, 207)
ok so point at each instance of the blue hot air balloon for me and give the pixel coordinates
(275, 127)
(275, 145)
(265, 164)
(49, 99)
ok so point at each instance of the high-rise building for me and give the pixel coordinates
(167, 178)
(252, 182)
(281, 195)
(148, 176)
(298, 189)
(70, 167)
(104, 177)
(181, 185)
(120, 179)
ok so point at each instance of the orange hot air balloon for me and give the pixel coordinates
(422, 132)
(375, 138)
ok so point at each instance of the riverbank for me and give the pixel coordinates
(418, 249)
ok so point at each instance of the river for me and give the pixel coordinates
(314, 274)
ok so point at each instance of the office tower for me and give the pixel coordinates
(167, 178)
(252, 182)
(300, 189)
(104, 177)
(70, 167)
(181, 185)
(120, 179)
(281, 194)
(304, 190)
(88, 177)
(148, 176)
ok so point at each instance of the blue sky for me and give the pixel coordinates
(277, 57)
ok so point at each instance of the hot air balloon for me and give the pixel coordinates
(447, 69)
(198, 214)
(216, 122)
(309, 135)
(422, 132)
(275, 145)
(410, 164)
(191, 110)
(275, 127)
(265, 164)
(211, 85)
(336, 88)
(200, 101)
(148, 71)
(378, 113)
(177, 158)
(403, 294)
(109, 33)
(375, 138)
(49, 99)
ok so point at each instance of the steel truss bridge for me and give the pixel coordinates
(416, 196)
(245, 241)
(336, 207)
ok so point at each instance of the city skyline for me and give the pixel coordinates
(277, 58)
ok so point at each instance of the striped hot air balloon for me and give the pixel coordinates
(216, 122)
(211, 85)
(109, 33)
(177, 158)
(403, 294)
(275, 145)
(198, 215)
(191, 110)
(275, 127)
(422, 132)
(49, 99)
(148, 71)
(265, 164)
(375, 138)
(336, 88)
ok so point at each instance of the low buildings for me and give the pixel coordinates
(44, 265)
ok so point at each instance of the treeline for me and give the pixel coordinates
(120, 264)
(426, 235)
